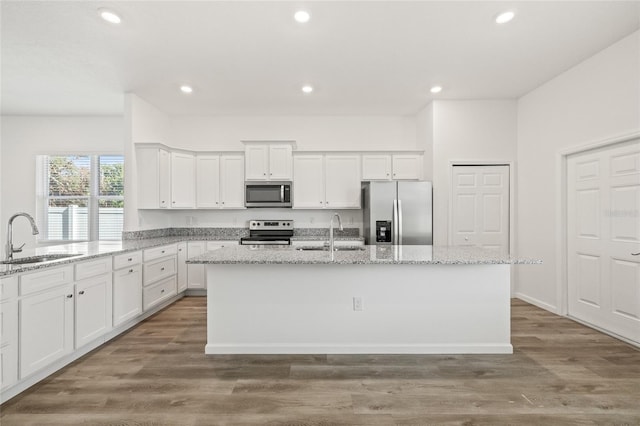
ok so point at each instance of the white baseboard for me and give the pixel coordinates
(289, 349)
(539, 303)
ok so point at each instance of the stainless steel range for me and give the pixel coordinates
(269, 232)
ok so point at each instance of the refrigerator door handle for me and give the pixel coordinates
(394, 233)
(399, 222)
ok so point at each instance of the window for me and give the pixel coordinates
(81, 197)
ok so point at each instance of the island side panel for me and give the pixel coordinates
(407, 309)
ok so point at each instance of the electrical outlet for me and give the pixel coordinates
(357, 304)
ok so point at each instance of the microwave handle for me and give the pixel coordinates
(282, 193)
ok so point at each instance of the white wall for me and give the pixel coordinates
(424, 138)
(309, 132)
(25, 137)
(478, 131)
(595, 100)
(143, 123)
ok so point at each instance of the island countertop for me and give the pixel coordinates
(370, 254)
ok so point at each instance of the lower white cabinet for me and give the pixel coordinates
(127, 294)
(157, 293)
(8, 331)
(159, 275)
(197, 279)
(195, 273)
(93, 308)
(46, 328)
(182, 267)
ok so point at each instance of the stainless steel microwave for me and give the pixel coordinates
(267, 194)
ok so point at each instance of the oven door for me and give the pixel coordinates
(267, 194)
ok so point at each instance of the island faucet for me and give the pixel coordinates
(34, 230)
(331, 239)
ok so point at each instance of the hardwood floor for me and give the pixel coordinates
(561, 373)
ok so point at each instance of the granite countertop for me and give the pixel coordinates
(370, 255)
(95, 249)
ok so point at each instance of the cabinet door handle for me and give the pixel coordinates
(162, 291)
(162, 251)
(162, 269)
(130, 270)
(635, 254)
(129, 259)
(69, 296)
(81, 292)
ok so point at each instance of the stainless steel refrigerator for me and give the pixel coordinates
(398, 213)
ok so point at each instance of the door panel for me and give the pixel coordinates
(480, 206)
(589, 279)
(603, 230)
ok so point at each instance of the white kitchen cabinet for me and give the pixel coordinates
(268, 161)
(8, 331)
(154, 177)
(232, 181)
(46, 328)
(392, 167)
(195, 273)
(376, 167)
(196, 276)
(158, 292)
(208, 181)
(326, 181)
(407, 166)
(308, 181)
(182, 267)
(342, 181)
(127, 294)
(159, 280)
(93, 308)
(183, 180)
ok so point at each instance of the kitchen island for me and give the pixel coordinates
(375, 300)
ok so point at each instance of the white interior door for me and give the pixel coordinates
(603, 238)
(480, 206)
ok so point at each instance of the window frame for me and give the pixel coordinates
(93, 199)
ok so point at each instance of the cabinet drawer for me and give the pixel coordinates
(158, 252)
(46, 279)
(127, 259)
(159, 269)
(93, 268)
(8, 287)
(159, 292)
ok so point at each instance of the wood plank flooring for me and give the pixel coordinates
(561, 373)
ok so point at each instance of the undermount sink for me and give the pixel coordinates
(39, 259)
(322, 248)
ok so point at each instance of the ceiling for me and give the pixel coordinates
(252, 58)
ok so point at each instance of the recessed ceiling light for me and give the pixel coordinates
(436, 89)
(186, 89)
(307, 89)
(302, 16)
(109, 16)
(505, 17)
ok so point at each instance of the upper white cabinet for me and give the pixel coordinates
(220, 181)
(268, 161)
(392, 167)
(165, 180)
(326, 181)
(208, 181)
(232, 181)
(154, 178)
(183, 181)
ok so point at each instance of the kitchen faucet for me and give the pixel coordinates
(9, 247)
(331, 239)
